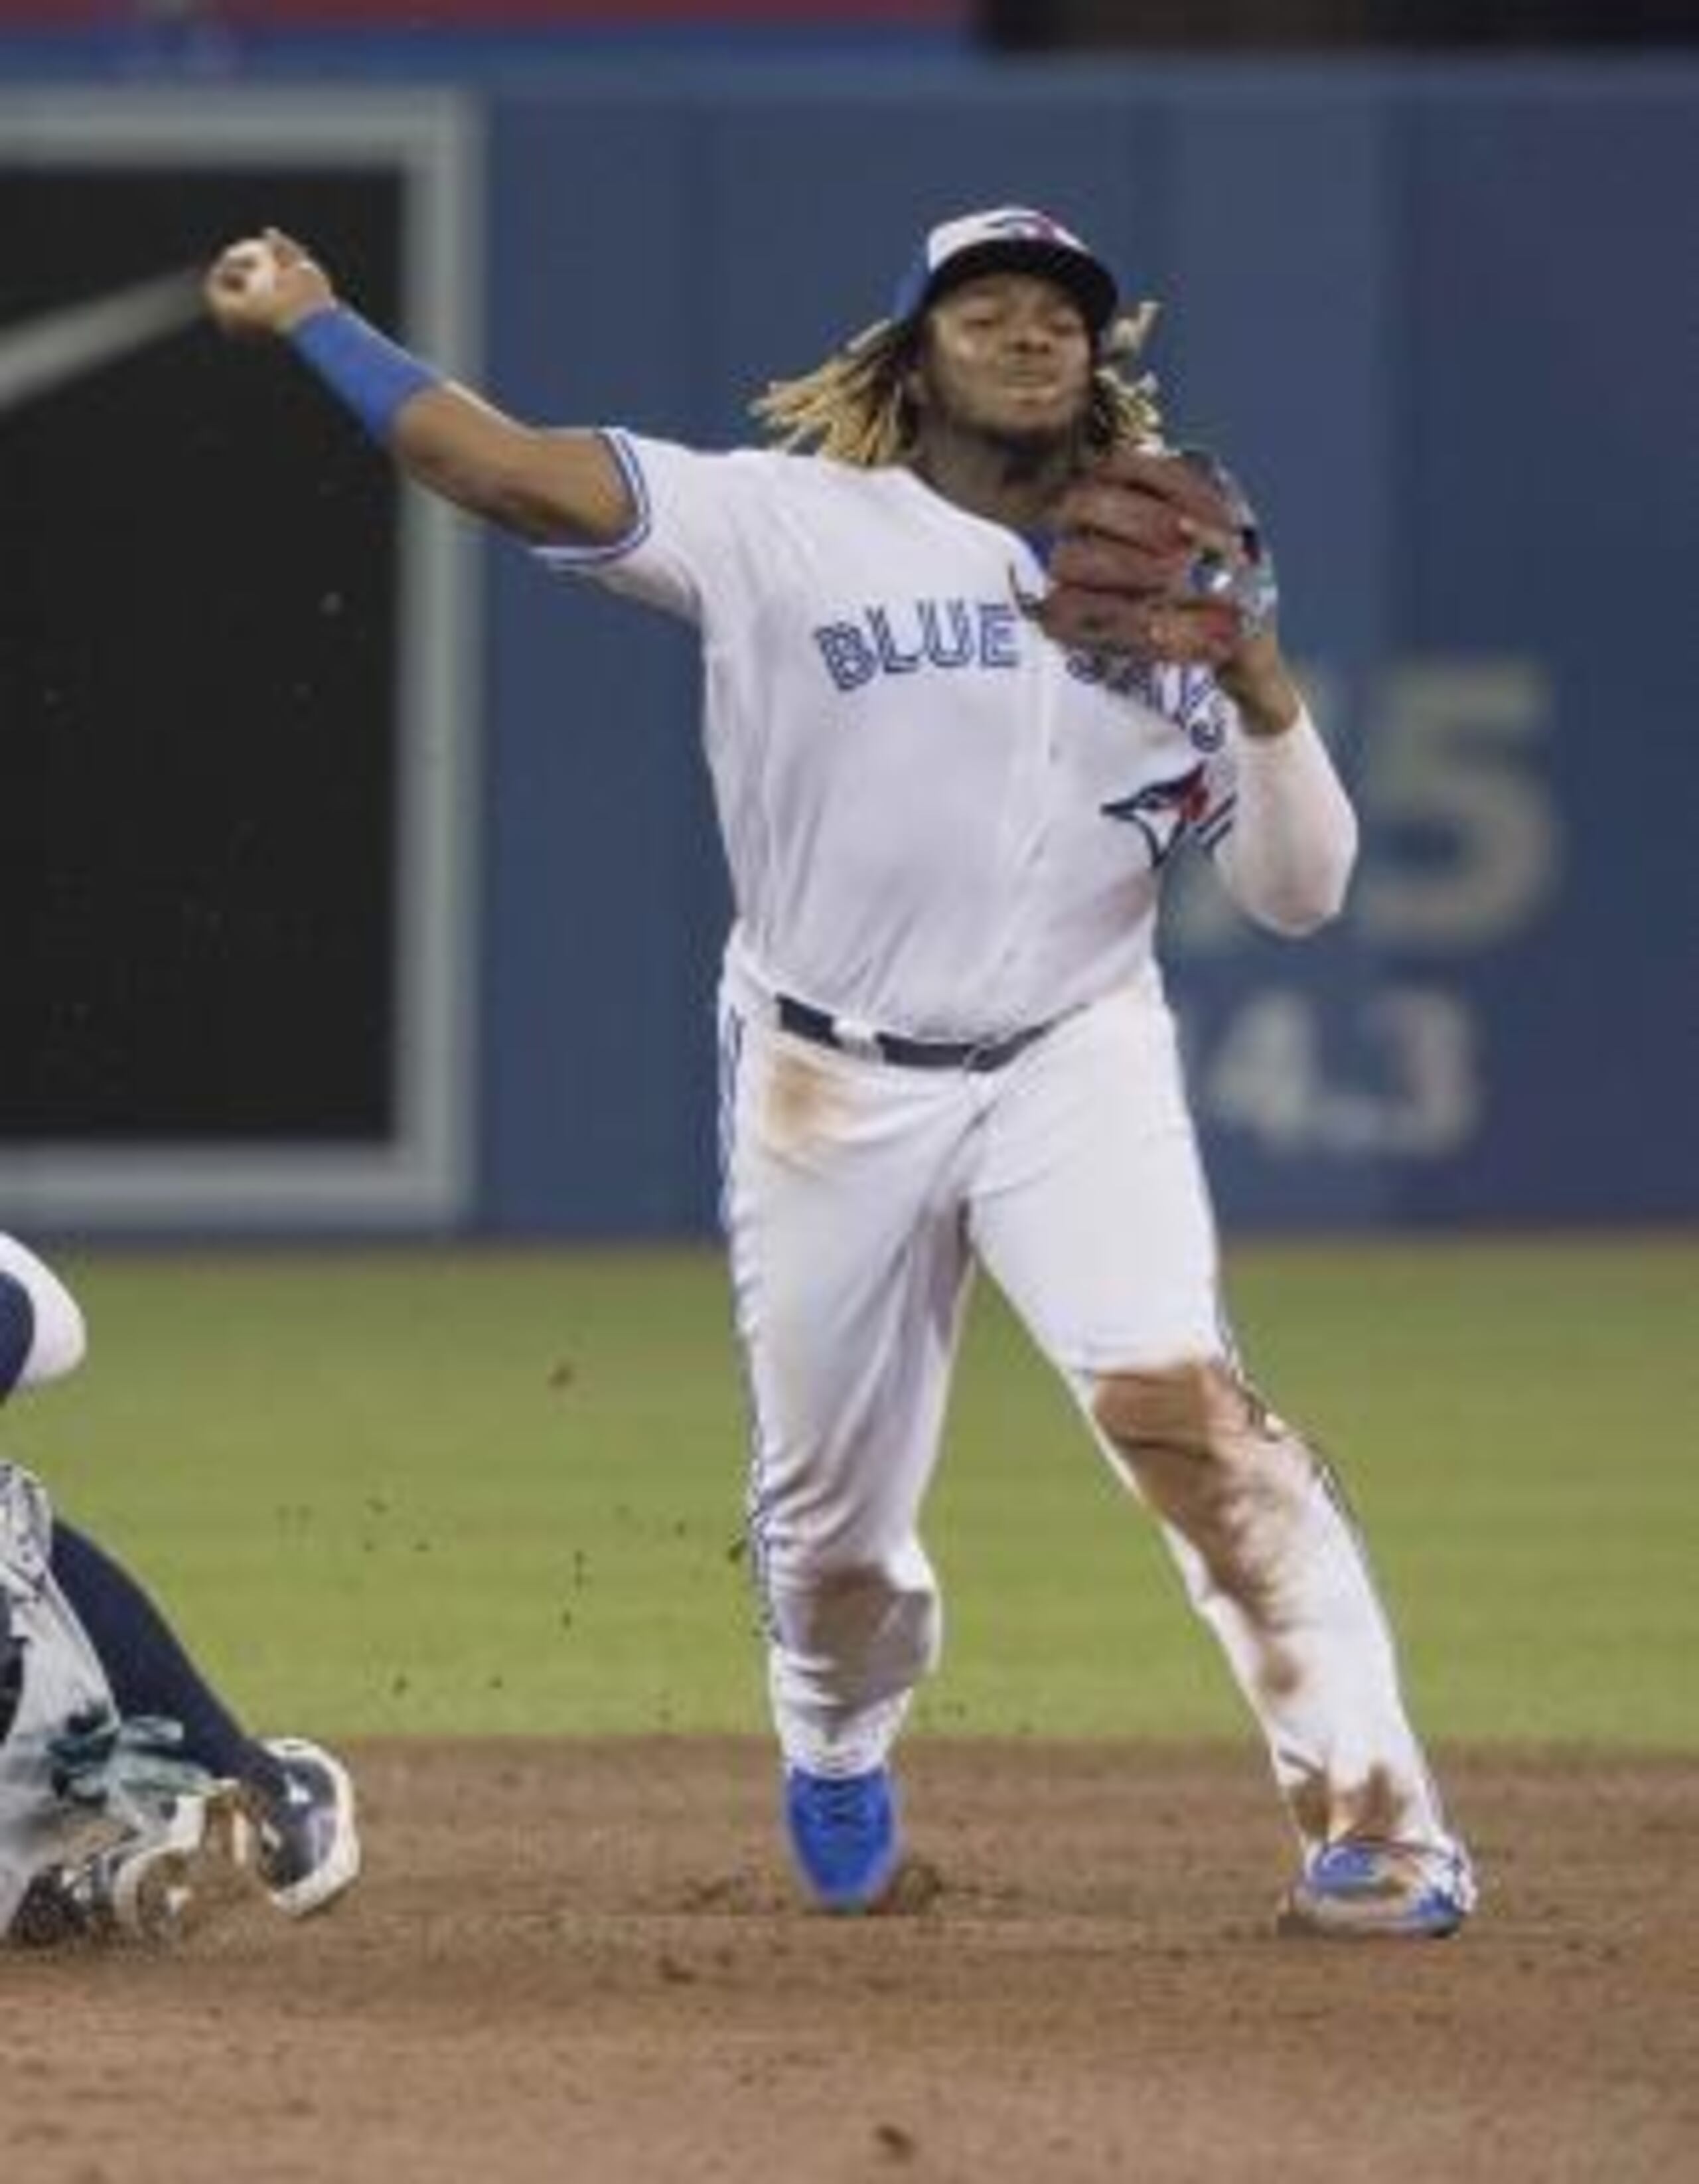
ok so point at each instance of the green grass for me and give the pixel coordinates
(453, 1491)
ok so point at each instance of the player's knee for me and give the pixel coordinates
(1212, 1461)
(1196, 1405)
(869, 1610)
(1198, 1411)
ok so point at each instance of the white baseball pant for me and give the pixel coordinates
(858, 1196)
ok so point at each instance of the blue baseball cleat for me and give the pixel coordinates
(844, 1834)
(1365, 1891)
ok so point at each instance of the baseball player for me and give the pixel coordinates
(125, 1782)
(981, 654)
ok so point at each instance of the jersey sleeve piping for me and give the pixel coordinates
(588, 556)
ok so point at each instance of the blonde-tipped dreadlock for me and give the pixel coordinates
(854, 408)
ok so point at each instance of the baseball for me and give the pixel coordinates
(257, 264)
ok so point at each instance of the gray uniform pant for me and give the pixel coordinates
(61, 1676)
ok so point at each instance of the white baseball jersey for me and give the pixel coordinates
(938, 822)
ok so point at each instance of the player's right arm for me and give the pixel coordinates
(551, 488)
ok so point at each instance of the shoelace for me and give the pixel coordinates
(841, 1800)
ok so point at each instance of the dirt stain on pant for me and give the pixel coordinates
(805, 1104)
(1375, 1809)
(1244, 1491)
(1213, 1461)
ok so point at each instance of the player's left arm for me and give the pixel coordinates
(1161, 555)
(1287, 857)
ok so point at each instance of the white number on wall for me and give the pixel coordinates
(1410, 1088)
(1465, 845)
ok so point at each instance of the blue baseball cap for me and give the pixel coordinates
(1013, 238)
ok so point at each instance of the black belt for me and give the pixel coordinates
(978, 1055)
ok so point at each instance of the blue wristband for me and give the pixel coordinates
(372, 374)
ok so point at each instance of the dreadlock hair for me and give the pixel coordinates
(855, 407)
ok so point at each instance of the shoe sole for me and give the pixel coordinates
(1320, 1920)
(911, 1885)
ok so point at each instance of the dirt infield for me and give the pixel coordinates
(584, 1962)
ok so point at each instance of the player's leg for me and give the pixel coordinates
(298, 1797)
(1092, 1213)
(102, 1823)
(849, 1274)
(148, 1668)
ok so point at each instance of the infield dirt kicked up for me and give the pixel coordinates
(587, 1961)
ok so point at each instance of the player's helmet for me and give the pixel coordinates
(41, 1335)
(17, 1331)
(1013, 237)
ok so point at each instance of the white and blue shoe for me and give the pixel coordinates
(1366, 1890)
(844, 1833)
(303, 1843)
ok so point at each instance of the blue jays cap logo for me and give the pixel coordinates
(1012, 236)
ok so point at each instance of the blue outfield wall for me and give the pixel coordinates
(1444, 325)
(1443, 322)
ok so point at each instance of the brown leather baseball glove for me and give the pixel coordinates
(1160, 556)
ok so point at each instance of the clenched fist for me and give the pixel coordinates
(265, 285)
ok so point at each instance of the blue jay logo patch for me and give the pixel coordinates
(1162, 811)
